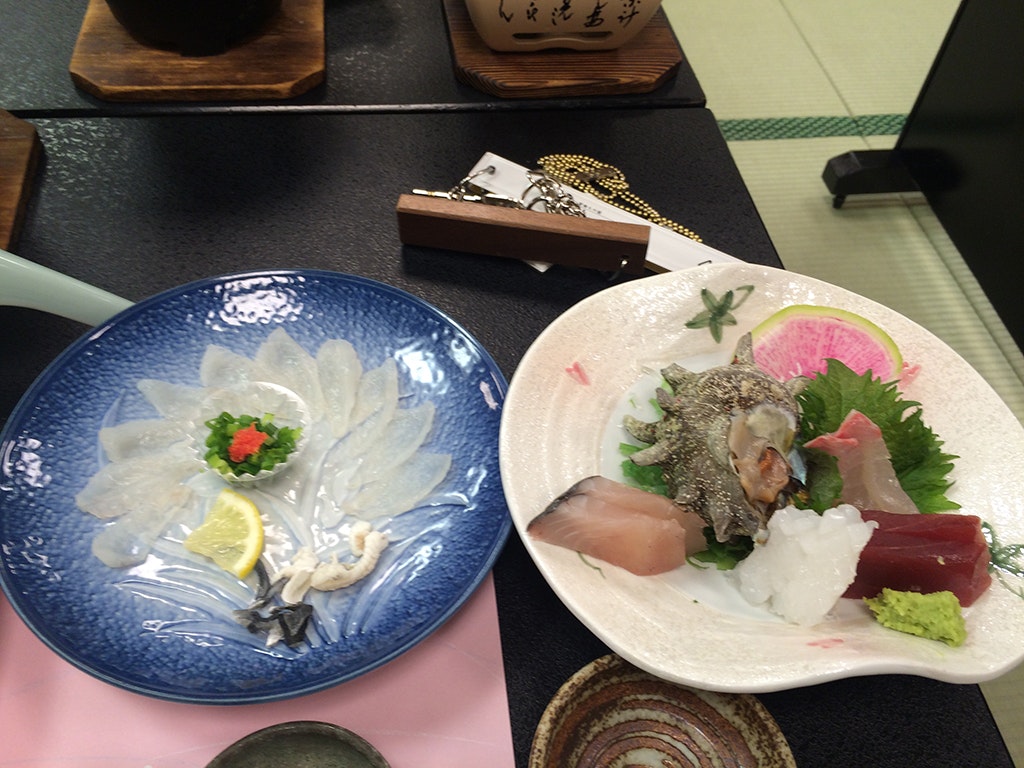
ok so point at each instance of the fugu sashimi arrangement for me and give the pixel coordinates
(809, 480)
(257, 495)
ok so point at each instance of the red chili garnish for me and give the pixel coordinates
(245, 443)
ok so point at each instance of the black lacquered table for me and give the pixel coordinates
(381, 55)
(137, 205)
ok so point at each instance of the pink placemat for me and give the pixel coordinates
(439, 705)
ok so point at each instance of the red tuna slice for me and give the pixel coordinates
(640, 531)
(923, 553)
(864, 463)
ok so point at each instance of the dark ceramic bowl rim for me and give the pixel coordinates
(238, 753)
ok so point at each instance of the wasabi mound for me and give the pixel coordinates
(935, 615)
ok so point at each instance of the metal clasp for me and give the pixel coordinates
(468, 192)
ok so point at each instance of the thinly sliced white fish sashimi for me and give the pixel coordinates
(256, 399)
(403, 488)
(142, 436)
(139, 483)
(343, 461)
(172, 401)
(129, 539)
(286, 363)
(220, 367)
(378, 391)
(402, 437)
(361, 458)
(339, 370)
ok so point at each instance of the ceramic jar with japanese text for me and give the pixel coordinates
(531, 25)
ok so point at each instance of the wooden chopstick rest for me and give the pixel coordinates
(436, 222)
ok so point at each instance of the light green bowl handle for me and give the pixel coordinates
(24, 284)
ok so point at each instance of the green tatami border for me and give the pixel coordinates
(757, 129)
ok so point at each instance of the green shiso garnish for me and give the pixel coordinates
(279, 443)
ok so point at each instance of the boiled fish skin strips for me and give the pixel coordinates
(865, 466)
(924, 553)
(643, 532)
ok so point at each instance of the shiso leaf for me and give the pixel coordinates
(921, 466)
(723, 555)
(646, 478)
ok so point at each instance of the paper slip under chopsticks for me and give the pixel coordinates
(667, 251)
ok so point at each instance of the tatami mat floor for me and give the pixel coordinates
(796, 82)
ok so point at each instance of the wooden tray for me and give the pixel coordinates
(643, 64)
(287, 59)
(19, 155)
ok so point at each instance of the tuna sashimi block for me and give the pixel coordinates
(923, 553)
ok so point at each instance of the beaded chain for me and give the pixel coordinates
(607, 183)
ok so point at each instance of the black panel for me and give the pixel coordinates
(964, 145)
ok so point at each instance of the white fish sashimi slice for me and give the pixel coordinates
(339, 370)
(401, 489)
(220, 367)
(142, 436)
(286, 363)
(378, 390)
(643, 532)
(255, 399)
(139, 483)
(865, 465)
(403, 436)
(129, 539)
(172, 401)
(347, 455)
(342, 463)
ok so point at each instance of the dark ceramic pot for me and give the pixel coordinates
(193, 27)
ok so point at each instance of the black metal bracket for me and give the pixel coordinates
(872, 171)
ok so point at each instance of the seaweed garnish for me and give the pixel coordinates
(286, 623)
(1005, 560)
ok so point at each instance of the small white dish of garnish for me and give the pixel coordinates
(252, 432)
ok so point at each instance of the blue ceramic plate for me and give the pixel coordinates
(163, 623)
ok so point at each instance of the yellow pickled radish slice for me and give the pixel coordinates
(231, 535)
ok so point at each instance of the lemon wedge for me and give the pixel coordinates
(231, 535)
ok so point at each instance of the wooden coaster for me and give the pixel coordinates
(640, 66)
(19, 155)
(287, 59)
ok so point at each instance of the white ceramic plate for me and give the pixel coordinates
(690, 626)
